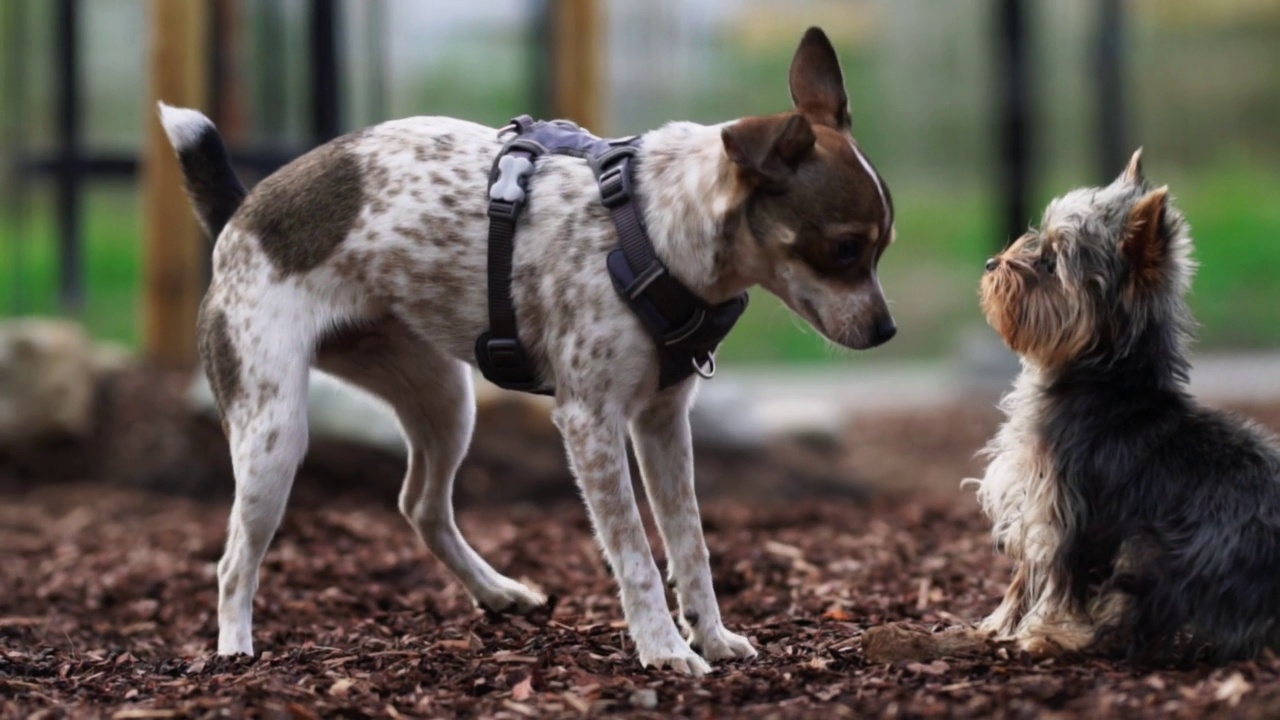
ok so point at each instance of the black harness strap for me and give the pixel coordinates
(686, 328)
(499, 354)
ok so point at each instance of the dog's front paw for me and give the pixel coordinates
(681, 659)
(230, 644)
(720, 644)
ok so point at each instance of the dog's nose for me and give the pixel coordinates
(885, 330)
(992, 264)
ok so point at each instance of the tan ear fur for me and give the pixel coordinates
(1145, 245)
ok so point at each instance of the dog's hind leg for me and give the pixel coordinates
(433, 398)
(258, 367)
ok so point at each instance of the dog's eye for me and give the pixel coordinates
(847, 251)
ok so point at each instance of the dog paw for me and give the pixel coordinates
(230, 647)
(512, 599)
(720, 644)
(685, 662)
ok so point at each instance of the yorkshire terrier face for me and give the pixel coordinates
(1106, 265)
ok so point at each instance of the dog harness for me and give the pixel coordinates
(686, 329)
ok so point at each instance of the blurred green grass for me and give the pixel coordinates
(930, 275)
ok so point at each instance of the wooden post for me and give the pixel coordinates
(576, 28)
(173, 244)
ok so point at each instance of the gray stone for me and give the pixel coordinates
(645, 698)
(46, 380)
(724, 416)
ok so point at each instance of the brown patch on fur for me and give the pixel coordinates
(302, 212)
(768, 148)
(1145, 245)
(221, 360)
(272, 437)
(1036, 313)
(828, 199)
(414, 233)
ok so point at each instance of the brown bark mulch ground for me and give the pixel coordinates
(108, 595)
(108, 601)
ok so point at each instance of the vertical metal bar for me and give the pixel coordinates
(541, 80)
(269, 106)
(326, 121)
(1014, 125)
(13, 122)
(1109, 69)
(67, 67)
(218, 63)
(376, 42)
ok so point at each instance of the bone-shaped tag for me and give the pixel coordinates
(511, 170)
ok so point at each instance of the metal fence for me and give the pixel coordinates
(999, 98)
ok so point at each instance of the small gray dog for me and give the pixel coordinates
(366, 258)
(1140, 520)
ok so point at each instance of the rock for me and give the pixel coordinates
(46, 380)
(724, 417)
(985, 365)
(337, 410)
(645, 698)
(902, 642)
(111, 357)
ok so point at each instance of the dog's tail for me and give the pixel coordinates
(211, 182)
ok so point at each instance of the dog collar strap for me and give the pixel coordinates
(686, 329)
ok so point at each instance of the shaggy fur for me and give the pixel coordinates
(366, 258)
(1140, 520)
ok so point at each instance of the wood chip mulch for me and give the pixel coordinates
(107, 609)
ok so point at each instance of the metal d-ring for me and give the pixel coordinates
(709, 371)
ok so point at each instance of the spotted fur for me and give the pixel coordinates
(366, 259)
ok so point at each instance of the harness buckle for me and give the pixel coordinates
(614, 175)
(615, 185)
(503, 210)
(503, 362)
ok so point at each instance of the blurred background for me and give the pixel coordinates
(976, 112)
(1195, 82)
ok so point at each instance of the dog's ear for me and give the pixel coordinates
(769, 148)
(1132, 174)
(1145, 245)
(817, 84)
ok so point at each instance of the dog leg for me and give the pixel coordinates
(434, 401)
(1004, 621)
(1054, 624)
(664, 448)
(267, 430)
(594, 439)
(437, 443)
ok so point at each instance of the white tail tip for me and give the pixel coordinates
(183, 125)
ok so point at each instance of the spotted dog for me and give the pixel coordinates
(366, 259)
